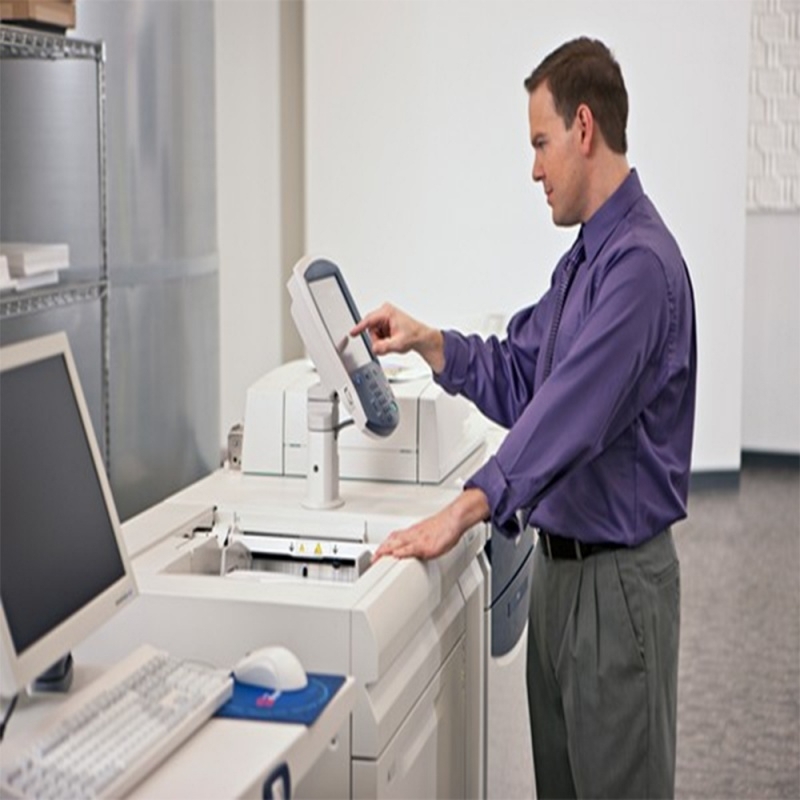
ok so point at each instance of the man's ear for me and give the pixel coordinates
(584, 119)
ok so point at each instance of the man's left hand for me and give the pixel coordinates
(434, 536)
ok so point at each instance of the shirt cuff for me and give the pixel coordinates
(456, 359)
(492, 482)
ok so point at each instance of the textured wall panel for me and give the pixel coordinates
(773, 168)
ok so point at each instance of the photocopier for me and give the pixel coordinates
(275, 550)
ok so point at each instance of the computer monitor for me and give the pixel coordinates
(64, 570)
(324, 312)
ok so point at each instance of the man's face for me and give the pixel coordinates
(558, 161)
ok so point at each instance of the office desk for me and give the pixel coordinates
(223, 759)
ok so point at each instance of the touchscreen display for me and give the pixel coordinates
(339, 320)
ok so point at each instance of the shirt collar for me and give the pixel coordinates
(599, 227)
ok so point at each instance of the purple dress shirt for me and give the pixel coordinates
(598, 449)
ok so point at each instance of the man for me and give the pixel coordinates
(596, 384)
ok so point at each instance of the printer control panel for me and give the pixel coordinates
(376, 398)
(325, 312)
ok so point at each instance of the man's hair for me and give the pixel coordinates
(585, 71)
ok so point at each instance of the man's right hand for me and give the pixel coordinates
(393, 331)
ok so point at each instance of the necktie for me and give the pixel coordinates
(576, 255)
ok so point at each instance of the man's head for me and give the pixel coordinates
(578, 111)
(585, 71)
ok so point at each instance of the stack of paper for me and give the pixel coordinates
(6, 281)
(34, 265)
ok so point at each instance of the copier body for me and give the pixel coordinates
(411, 633)
(416, 636)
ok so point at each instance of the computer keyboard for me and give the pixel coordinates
(112, 734)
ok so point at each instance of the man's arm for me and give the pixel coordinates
(393, 331)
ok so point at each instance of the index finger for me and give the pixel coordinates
(388, 547)
(370, 319)
(360, 327)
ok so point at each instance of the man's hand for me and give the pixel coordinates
(393, 331)
(436, 535)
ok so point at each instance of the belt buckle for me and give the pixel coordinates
(545, 541)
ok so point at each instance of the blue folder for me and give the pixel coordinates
(301, 707)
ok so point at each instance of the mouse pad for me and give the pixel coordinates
(301, 707)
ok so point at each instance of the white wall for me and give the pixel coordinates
(771, 409)
(418, 162)
(248, 196)
(259, 179)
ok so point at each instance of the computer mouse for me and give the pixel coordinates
(272, 667)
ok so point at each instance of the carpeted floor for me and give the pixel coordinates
(739, 679)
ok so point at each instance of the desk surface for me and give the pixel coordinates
(224, 758)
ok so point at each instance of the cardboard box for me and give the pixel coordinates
(50, 13)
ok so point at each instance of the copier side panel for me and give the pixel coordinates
(474, 590)
(384, 703)
(427, 756)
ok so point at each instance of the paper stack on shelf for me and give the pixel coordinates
(6, 281)
(34, 265)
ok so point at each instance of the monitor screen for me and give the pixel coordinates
(339, 321)
(63, 569)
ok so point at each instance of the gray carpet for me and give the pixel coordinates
(739, 680)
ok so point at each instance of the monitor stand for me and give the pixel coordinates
(322, 486)
(57, 678)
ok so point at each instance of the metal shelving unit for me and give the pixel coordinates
(21, 43)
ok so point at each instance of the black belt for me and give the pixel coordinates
(561, 547)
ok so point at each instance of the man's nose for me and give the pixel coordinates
(537, 173)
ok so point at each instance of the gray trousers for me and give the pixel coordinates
(603, 672)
